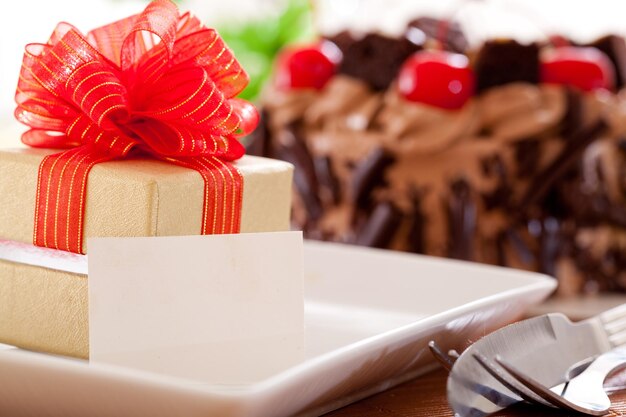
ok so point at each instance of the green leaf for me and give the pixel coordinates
(257, 42)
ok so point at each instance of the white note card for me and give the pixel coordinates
(225, 309)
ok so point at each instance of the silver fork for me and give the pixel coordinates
(583, 393)
(546, 346)
(447, 361)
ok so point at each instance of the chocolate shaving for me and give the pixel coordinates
(381, 226)
(573, 116)
(524, 253)
(258, 142)
(293, 149)
(570, 155)
(368, 174)
(375, 59)
(416, 231)
(550, 245)
(462, 217)
(503, 62)
(327, 178)
(615, 49)
(493, 166)
(447, 33)
(501, 249)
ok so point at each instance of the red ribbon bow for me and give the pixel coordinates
(158, 84)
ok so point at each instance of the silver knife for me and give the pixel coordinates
(545, 347)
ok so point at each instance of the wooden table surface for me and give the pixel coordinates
(426, 397)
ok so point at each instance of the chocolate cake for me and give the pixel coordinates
(520, 162)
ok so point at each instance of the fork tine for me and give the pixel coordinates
(617, 325)
(618, 339)
(544, 392)
(510, 383)
(445, 360)
(616, 332)
(614, 323)
(616, 313)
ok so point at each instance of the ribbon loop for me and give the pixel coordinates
(209, 51)
(155, 28)
(112, 143)
(99, 94)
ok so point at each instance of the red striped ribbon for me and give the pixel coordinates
(159, 84)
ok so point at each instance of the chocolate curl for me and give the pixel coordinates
(570, 155)
(500, 197)
(550, 245)
(462, 218)
(501, 249)
(574, 114)
(327, 178)
(293, 149)
(511, 238)
(368, 174)
(381, 226)
(416, 232)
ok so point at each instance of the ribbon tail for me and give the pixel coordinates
(223, 193)
(61, 196)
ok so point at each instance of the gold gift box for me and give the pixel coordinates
(45, 309)
(144, 197)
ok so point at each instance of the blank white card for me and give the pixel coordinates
(219, 309)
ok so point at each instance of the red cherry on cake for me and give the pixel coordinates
(583, 67)
(305, 67)
(438, 78)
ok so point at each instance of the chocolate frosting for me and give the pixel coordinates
(524, 174)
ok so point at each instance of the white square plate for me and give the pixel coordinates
(369, 315)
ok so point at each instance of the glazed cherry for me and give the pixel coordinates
(583, 67)
(306, 67)
(438, 78)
